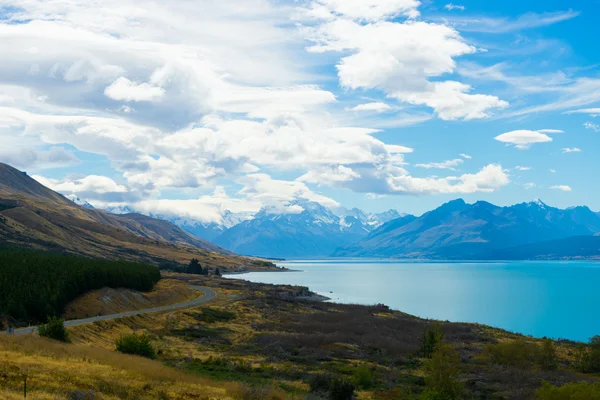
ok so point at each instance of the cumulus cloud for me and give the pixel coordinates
(523, 139)
(94, 188)
(563, 188)
(374, 106)
(571, 150)
(225, 92)
(126, 90)
(402, 65)
(448, 164)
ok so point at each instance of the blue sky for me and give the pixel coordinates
(193, 109)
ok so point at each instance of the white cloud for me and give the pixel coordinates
(571, 150)
(448, 164)
(465, 156)
(523, 139)
(550, 131)
(375, 107)
(505, 25)
(487, 179)
(126, 90)
(451, 7)
(24, 157)
(594, 112)
(519, 168)
(96, 189)
(552, 171)
(563, 188)
(529, 185)
(591, 126)
(403, 64)
(363, 10)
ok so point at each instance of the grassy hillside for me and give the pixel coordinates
(34, 216)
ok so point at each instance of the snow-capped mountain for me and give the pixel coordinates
(120, 210)
(211, 230)
(78, 201)
(309, 230)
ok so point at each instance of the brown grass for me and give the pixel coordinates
(111, 301)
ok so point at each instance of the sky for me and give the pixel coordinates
(191, 108)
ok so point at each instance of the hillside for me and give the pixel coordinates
(32, 215)
(458, 230)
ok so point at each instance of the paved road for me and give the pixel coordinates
(209, 294)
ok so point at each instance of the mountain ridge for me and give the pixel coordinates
(458, 230)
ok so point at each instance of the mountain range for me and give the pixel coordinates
(35, 215)
(32, 215)
(458, 230)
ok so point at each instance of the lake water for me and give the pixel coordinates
(554, 299)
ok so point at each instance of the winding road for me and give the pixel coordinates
(209, 294)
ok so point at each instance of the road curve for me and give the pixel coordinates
(209, 294)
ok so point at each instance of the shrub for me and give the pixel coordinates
(364, 377)
(246, 392)
(341, 389)
(588, 357)
(442, 373)
(332, 387)
(518, 353)
(548, 360)
(431, 338)
(55, 330)
(569, 391)
(137, 345)
(211, 315)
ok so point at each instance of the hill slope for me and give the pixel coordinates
(34, 216)
(458, 230)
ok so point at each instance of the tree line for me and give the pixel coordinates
(35, 285)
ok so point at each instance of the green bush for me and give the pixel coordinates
(332, 387)
(364, 377)
(138, 345)
(518, 353)
(211, 315)
(55, 330)
(548, 360)
(442, 375)
(587, 358)
(524, 355)
(431, 338)
(569, 391)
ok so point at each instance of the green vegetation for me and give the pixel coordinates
(212, 315)
(569, 391)
(35, 286)
(195, 268)
(332, 387)
(138, 345)
(442, 375)
(524, 355)
(430, 340)
(55, 330)
(588, 357)
(364, 377)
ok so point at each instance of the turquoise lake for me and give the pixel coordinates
(553, 299)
